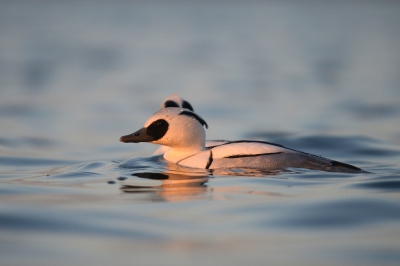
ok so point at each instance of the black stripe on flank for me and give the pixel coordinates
(250, 155)
(170, 104)
(187, 105)
(210, 160)
(195, 116)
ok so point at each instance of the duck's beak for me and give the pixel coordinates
(138, 136)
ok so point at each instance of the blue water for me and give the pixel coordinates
(317, 76)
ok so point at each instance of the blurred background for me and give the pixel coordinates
(319, 76)
(76, 75)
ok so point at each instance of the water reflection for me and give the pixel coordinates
(173, 187)
(173, 183)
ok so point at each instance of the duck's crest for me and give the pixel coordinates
(195, 116)
(176, 101)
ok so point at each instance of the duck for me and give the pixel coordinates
(175, 100)
(183, 131)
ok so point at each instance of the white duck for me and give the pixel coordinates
(182, 130)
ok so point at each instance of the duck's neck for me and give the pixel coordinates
(175, 154)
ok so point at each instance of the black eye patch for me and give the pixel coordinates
(187, 105)
(195, 116)
(170, 104)
(157, 129)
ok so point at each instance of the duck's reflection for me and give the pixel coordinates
(174, 184)
(171, 182)
(186, 186)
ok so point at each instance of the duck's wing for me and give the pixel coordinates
(282, 161)
(245, 148)
(231, 150)
(270, 156)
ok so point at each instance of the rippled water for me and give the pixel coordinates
(319, 77)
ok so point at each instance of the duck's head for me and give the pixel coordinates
(178, 128)
(175, 101)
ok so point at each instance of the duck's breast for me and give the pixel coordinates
(199, 160)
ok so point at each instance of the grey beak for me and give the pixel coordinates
(138, 136)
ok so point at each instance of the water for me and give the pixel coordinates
(320, 77)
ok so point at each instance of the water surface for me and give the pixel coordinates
(319, 77)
